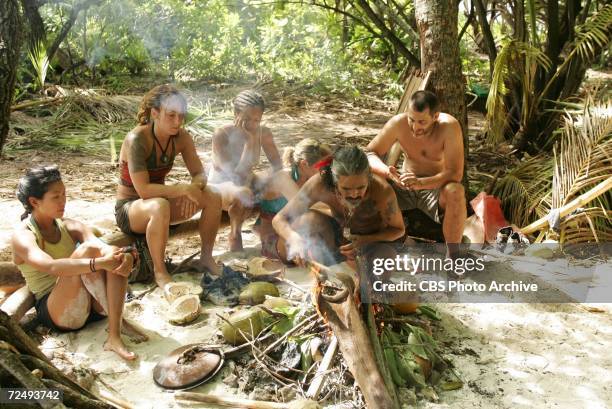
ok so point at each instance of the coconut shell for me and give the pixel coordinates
(255, 293)
(250, 322)
(184, 309)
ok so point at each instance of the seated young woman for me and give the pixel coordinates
(236, 151)
(301, 162)
(145, 204)
(75, 278)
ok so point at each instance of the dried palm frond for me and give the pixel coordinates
(583, 158)
(83, 121)
(587, 225)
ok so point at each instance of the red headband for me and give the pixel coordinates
(323, 162)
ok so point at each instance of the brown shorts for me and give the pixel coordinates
(426, 201)
(122, 208)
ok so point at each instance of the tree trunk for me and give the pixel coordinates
(437, 21)
(36, 26)
(10, 42)
(489, 41)
(74, 13)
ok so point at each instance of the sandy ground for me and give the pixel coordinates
(508, 355)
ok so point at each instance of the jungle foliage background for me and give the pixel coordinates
(522, 63)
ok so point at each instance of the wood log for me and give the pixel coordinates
(229, 401)
(345, 321)
(54, 374)
(19, 338)
(18, 303)
(10, 274)
(74, 399)
(11, 363)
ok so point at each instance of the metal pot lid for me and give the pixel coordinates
(188, 366)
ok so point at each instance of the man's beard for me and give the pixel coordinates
(352, 204)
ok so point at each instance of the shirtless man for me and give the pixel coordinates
(359, 201)
(431, 175)
(236, 150)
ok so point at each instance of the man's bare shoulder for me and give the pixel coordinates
(448, 121)
(223, 131)
(315, 188)
(380, 187)
(398, 120)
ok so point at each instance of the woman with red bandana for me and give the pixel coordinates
(301, 162)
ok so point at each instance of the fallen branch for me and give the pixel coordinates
(581, 200)
(37, 102)
(53, 373)
(19, 338)
(319, 377)
(18, 303)
(229, 401)
(115, 400)
(11, 363)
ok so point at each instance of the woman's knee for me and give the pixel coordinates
(69, 306)
(158, 207)
(87, 250)
(241, 200)
(211, 198)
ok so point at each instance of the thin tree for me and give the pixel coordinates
(437, 21)
(10, 43)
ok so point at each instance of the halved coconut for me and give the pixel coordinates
(176, 289)
(264, 267)
(184, 309)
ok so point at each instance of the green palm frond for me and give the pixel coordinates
(595, 32)
(516, 64)
(525, 190)
(40, 62)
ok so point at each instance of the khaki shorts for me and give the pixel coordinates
(426, 201)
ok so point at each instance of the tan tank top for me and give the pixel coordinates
(42, 283)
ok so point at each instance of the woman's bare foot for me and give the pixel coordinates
(133, 332)
(117, 346)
